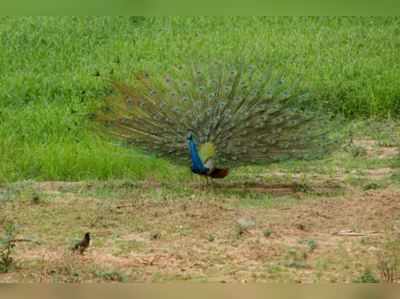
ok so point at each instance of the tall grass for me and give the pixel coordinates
(47, 142)
(53, 70)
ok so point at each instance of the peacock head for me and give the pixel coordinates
(189, 136)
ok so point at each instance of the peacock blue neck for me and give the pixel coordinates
(197, 164)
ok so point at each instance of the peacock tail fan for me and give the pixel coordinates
(239, 115)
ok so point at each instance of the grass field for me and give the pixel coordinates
(54, 70)
(330, 220)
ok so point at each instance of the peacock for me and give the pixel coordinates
(202, 163)
(217, 117)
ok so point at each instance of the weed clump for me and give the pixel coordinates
(267, 233)
(371, 186)
(311, 245)
(389, 261)
(211, 238)
(7, 247)
(296, 258)
(111, 276)
(36, 198)
(366, 277)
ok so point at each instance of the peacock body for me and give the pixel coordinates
(202, 162)
(237, 115)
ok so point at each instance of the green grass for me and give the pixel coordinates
(46, 142)
(55, 70)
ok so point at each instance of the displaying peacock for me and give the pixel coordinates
(223, 116)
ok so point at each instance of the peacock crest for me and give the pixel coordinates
(236, 115)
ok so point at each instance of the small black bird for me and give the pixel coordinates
(83, 244)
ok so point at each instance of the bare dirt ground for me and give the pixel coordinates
(328, 239)
(246, 232)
